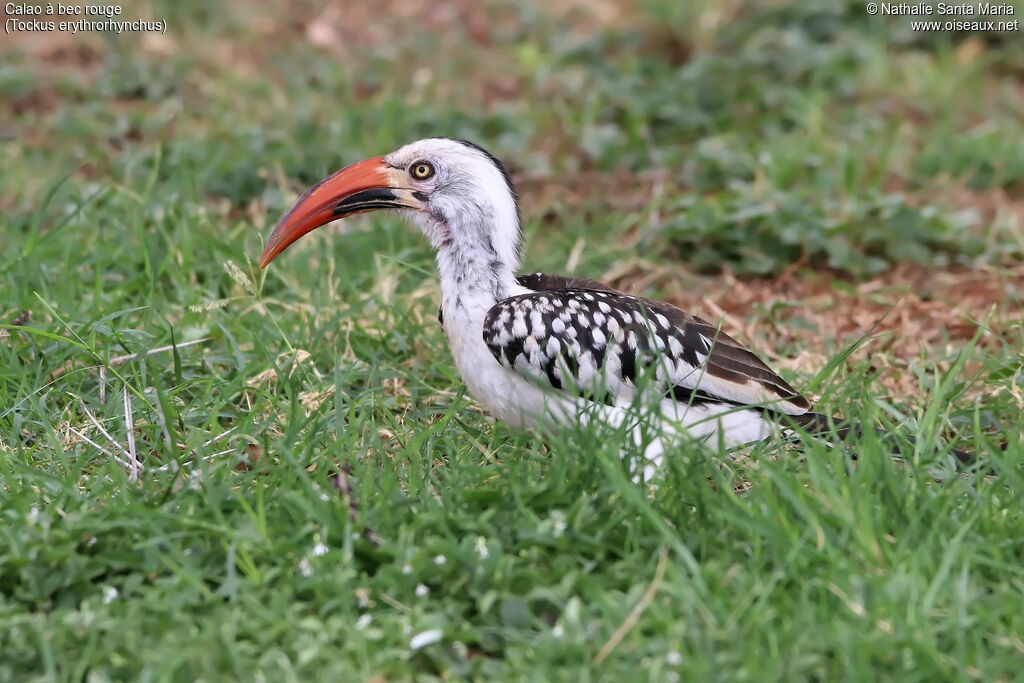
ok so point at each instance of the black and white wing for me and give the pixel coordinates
(606, 341)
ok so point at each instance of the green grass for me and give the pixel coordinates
(140, 181)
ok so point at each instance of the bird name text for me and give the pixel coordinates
(29, 18)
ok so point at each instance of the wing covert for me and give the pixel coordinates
(604, 340)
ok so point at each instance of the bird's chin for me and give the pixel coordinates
(433, 227)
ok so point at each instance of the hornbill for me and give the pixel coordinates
(540, 351)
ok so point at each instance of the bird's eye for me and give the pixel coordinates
(421, 170)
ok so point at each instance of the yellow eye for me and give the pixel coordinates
(421, 170)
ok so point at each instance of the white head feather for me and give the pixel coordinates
(471, 216)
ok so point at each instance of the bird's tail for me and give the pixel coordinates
(824, 425)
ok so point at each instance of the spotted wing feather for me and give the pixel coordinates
(600, 342)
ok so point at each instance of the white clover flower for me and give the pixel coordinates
(673, 658)
(363, 621)
(422, 591)
(109, 595)
(555, 522)
(407, 569)
(440, 559)
(558, 527)
(305, 568)
(320, 549)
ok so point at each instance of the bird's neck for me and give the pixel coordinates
(477, 254)
(473, 276)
